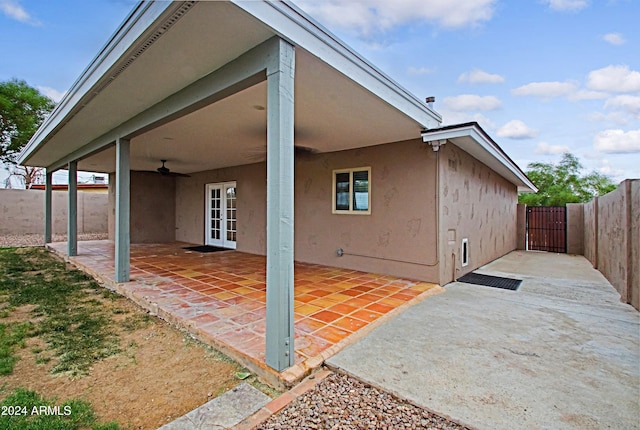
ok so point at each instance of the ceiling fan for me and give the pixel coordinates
(165, 171)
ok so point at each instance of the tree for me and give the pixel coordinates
(22, 110)
(563, 183)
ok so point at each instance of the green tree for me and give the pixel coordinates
(563, 183)
(22, 110)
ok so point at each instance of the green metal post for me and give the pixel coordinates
(122, 236)
(72, 211)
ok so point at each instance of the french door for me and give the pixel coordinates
(220, 218)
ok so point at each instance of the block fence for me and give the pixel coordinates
(22, 212)
(607, 232)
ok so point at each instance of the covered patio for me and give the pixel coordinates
(220, 298)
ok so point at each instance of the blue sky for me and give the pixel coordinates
(540, 76)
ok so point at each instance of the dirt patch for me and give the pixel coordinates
(159, 374)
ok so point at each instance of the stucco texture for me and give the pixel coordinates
(611, 238)
(478, 204)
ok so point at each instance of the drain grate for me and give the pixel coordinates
(491, 281)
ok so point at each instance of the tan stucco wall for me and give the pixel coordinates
(521, 226)
(398, 238)
(635, 244)
(251, 211)
(478, 204)
(22, 212)
(575, 228)
(590, 229)
(612, 238)
(152, 207)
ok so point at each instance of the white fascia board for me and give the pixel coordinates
(138, 21)
(488, 146)
(295, 26)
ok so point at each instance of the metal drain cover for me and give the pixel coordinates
(491, 281)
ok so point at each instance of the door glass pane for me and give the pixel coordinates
(361, 190)
(342, 191)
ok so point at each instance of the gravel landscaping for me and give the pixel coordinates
(342, 402)
(11, 240)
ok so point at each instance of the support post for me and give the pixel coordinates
(48, 198)
(280, 226)
(72, 211)
(122, 236)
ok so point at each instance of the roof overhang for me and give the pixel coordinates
(471, 138)
(164, 47)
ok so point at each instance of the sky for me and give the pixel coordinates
(542, 77)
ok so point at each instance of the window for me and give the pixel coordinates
(352, 191)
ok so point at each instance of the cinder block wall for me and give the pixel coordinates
(612, 238)
(22, 212)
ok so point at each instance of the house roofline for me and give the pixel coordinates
(297, 27)
(484, 141)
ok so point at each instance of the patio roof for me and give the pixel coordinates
(163, 47)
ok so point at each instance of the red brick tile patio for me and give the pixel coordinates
(220, 298)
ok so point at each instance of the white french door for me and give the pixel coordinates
(220, 219)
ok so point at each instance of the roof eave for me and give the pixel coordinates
(488, 145)
(134, 25)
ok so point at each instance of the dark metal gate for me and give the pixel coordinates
(547, 228)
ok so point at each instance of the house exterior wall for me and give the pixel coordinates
(153, 200)
(477, 204)
(251, 205)
(397, 238)
(22, 212)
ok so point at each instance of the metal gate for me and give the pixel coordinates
(547, 228)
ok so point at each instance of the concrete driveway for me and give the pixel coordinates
(560, 353)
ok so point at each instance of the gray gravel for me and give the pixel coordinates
(10, 240)
(342, 402)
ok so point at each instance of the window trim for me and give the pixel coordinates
(350, 211)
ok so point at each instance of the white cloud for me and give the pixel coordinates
(617, 141)
(587, 95)
(546, 90)
(466, 102)
(617, 79)
(607, 169)
(370, 16)
(419, 70)
(614, 38)
(52, 93)
(516, 129)
(477, 76)
(628, 103)
(13, 10)
(615, 117)
(545, 149)
(563, 5)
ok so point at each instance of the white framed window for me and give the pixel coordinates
(351, 191)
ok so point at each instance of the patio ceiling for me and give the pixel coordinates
(185, 42)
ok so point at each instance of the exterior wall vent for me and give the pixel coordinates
(464, 252)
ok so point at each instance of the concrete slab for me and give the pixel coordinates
(222, 412)
(562, 352)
